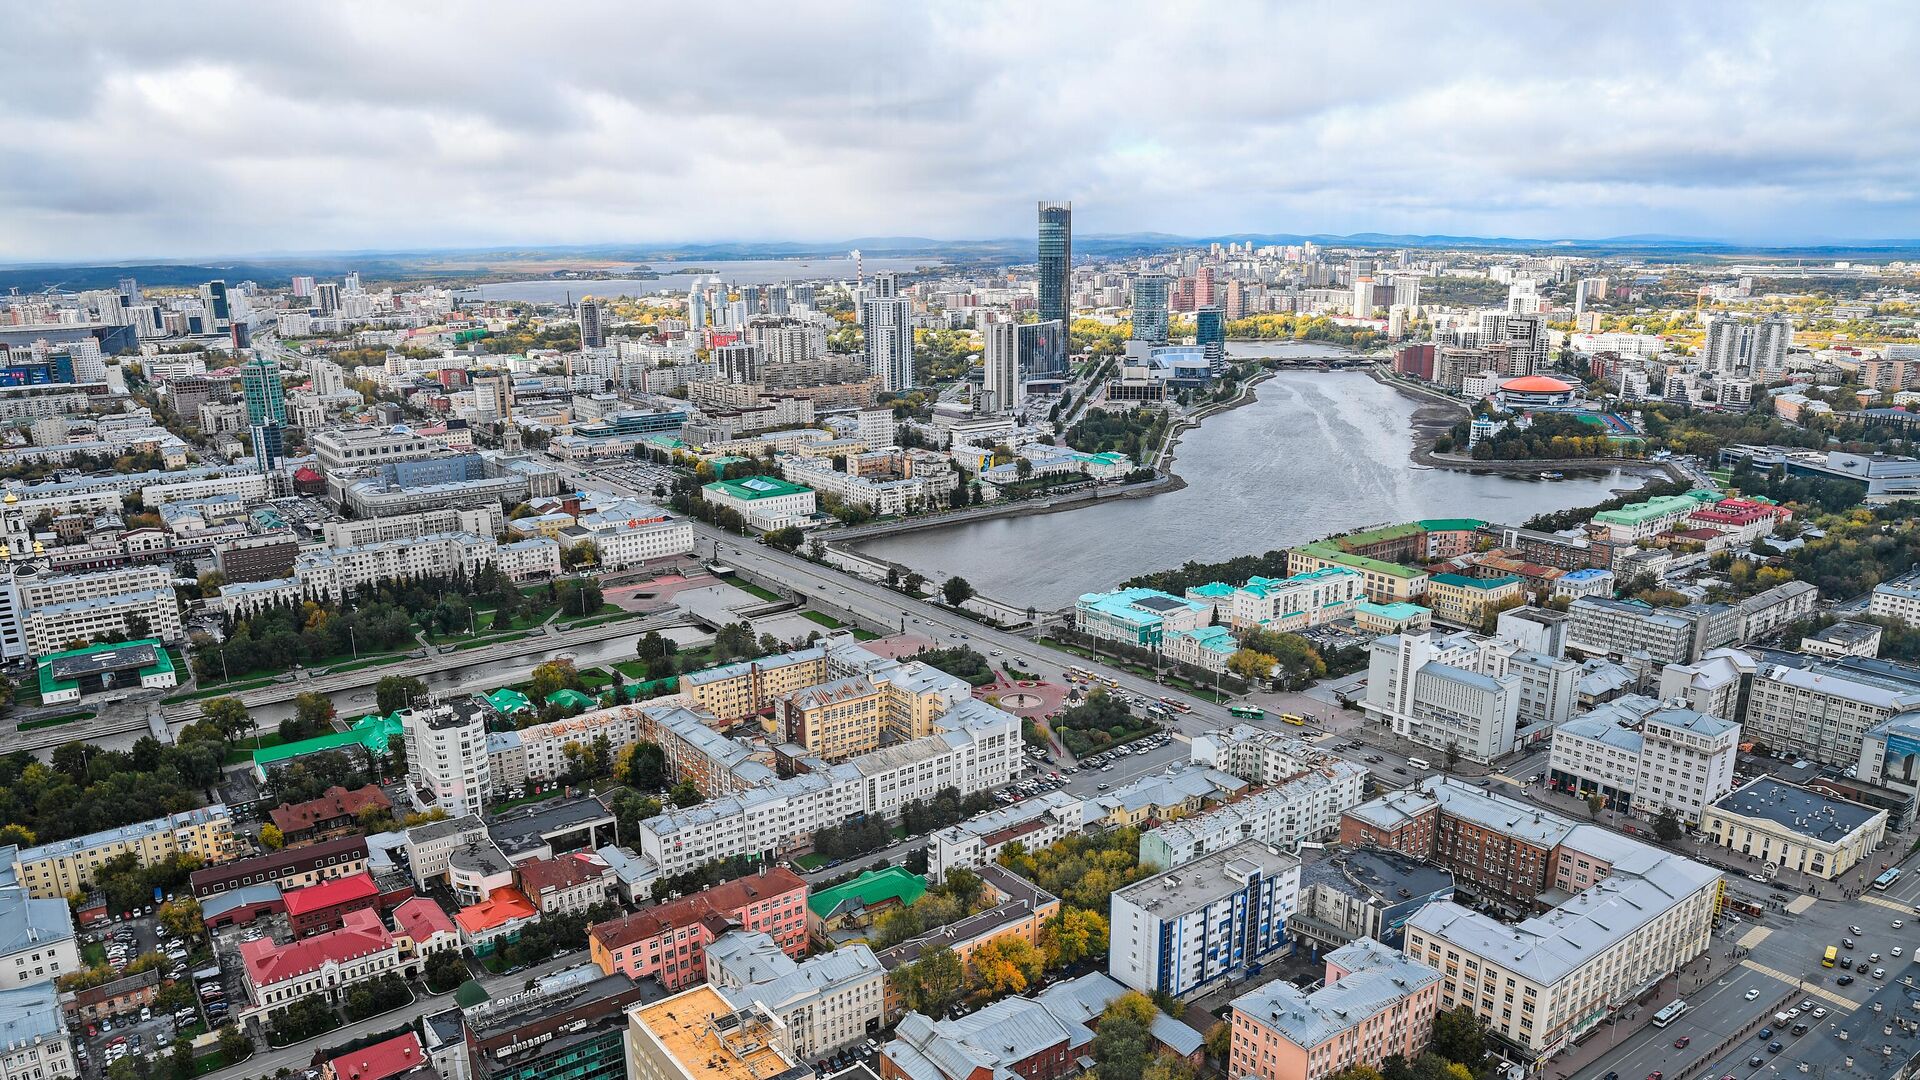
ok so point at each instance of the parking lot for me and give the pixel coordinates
(145, 1030)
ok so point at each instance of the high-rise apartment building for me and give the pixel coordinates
(1150, 308)
(213, 297)
(327, 297)
(1210, 333)
(1002, 368)
(593, 331)
(886, 317)
(1056, 261)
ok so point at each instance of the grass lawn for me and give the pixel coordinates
(632, 669)
(27, 694)
(810, 863)
(750, 588)
(243, 753)
(93, 954)
(367, 662)
(595, 678)
(827, 621)
(56, 721)
(864, 635)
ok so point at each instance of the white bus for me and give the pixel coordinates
(1418, 763)
(1669, 1014)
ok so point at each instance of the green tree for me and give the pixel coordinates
(395, 692)
(1251, 665)
(313, 710)
(1459, 1035)
(1667, 827)
(957, 590)
(685, 793)
(1596, 802)
(1122, 1044)
(1072, 935)
(227, 715)
(642, 765)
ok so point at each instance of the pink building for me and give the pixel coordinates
(670, 940)
(1375, 1003)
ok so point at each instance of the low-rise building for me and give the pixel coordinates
(1646, 759)
(1844, 639)
(1140, 617)
(1466, 601)
(1366, 892)
(827, 1001)
(1191, 928)
(763, 502)
(567, 884)
(697, 1034)
(33, 1034)
(323, 907)
(1018, 910)
(1285, 604)
(1035, 823)
(1304, 806)
(669, 942)
(1794, 828)
(293, 868)
(36, 939)
(1897, 599)
(323, 966)
(64, 867)
(337, 810)
(1374, 1004)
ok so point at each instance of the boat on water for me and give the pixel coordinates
(1422, 468)
(1550, 476)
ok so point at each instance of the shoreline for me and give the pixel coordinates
(1436, 416)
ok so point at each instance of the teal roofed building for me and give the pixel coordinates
(372, 733)
(67, 676)
(507, 701)
(569, 698)
(1207, 647)
(1142, 617)
(1391, 618)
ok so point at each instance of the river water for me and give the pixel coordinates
(1317, 453)
(672, 280)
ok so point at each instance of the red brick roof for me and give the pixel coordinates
(421, 918)
(269, 962)
(330, 894)
(564, 872)
(500, 907)
(714, 904)
(338, 802)
(379, 1061)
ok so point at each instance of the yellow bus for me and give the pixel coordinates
(1294, 718)
(1832, 955)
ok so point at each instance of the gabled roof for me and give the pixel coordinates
(379, 1061)
(269, 962)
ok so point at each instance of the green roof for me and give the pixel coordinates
(506, 701)
(1213, 588)
(569, 698)
(1453, 524)
(1460, 581)
(1375, 536)
(870, 888)
(1398, 610)
(48, 684)
(755, 487)
(1331, 552)
(373, 732)
(1659, 506)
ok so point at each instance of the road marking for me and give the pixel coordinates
(1800, 904)
(1754, 937)
(1885, 903)
(1835, 999)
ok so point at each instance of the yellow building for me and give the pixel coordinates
(63, 867)
(1465, 601)
(697, 1035)
(836, 720)
(735, 692)
(1788, 826)
(1384, 582)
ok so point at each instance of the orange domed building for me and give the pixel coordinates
(1537, 392)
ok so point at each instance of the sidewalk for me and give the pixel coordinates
(1633, 1016)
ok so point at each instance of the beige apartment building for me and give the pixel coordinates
(67, 866)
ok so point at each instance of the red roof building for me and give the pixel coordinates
(336, 811)
(321, 907)
(567, 883)
(1735, 515)
(669, 941)
(324, 964)
(501, 914)
(422, 920)
(381, 1061)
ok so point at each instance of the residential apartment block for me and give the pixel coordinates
(827, 1001)
(1645, 758)
(669, 941)
(56, 870)
(1374, 1004)
(1035, 823)
(1191, 928)
(1304, 806)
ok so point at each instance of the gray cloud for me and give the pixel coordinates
(213, 128)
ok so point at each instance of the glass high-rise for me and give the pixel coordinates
(265, 394)
(1150, 308)
(1210, 333)
(1056, 262)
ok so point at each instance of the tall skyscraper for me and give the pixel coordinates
(266, 398)
(1203, 286)
(1056, 262)
(593, 333)
(1150, 308)
(130, 291)
(327, 297)
(737, 363)
(1772, 337)
(1002, 367)
(696, 307)
(887, 319)
(1043, 350)
(213, 297)
(1210, 333)
(265, 393)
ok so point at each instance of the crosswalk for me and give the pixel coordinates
(1905, 909)
(1754, 937)
(1821, 992)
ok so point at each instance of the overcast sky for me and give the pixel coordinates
(187, 130)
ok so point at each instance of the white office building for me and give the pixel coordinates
(1033, 823)
(1424, 689)
(447, 757)
(827, 1001)
(1306, 806)
(886, 318)
(1646, 758)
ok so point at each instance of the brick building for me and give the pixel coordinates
(335, 812)
(669, 941)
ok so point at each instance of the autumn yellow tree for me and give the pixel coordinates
(271, 839)
(1251, 665)
(1006, 965)
(1071, 936)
